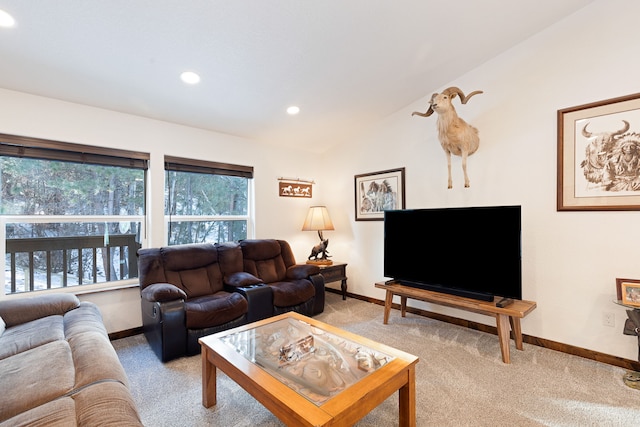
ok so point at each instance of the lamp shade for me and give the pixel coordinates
(317, 219)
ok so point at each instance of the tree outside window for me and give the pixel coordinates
(206, 202)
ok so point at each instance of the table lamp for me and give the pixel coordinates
(318, 220)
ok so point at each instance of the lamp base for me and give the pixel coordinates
(320, 261)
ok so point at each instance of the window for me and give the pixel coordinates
(207, 201)
(71, 214)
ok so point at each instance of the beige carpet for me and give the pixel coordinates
(460, 380)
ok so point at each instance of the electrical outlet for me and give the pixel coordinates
(608, 319)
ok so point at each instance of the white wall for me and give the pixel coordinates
(570, 259)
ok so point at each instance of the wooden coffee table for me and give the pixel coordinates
(308, 373)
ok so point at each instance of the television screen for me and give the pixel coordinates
(473, 252)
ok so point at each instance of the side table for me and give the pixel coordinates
(336, 272)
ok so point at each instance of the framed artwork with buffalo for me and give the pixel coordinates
(599, 155)
(377, 192)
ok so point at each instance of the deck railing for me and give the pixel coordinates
(76, 253)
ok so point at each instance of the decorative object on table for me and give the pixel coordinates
(378, 192)
(619, 283)
(456, 136)
(318, 219)
(632, 327)
(295, 187)
(599, 154)
(631, 294)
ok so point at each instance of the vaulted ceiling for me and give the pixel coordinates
(345, 63)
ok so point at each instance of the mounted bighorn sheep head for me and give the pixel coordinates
(456, 136)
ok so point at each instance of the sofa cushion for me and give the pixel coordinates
(93, 355)
(260, 249)
(22, 310)
(290, 293)
(197, 281)
(34, 377)
(58, 412)
(263, 259)
(32, 334)
(188, 257)
(214, 310)
(108, 403)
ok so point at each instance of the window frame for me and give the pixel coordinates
(52, 150)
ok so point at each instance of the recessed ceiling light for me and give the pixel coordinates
(293, 110)
(6, 20)
(190, 77)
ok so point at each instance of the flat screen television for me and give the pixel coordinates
(473, 252)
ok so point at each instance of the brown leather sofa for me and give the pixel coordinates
(189, 291)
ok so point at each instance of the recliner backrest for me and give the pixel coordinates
(267, 259)
(194, 268)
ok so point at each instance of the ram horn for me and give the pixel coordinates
(453, 91)
(429, 111)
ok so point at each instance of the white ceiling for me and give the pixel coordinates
(345, 63)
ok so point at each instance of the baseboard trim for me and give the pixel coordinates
(529, 339)
(125, 334)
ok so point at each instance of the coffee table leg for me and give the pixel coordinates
(208, 380)
(407, 396)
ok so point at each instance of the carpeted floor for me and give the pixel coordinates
(460, 380)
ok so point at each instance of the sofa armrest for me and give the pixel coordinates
(258, 295)
(162, 292)
(318, 284)
(23, 310)
(164, 325)
(241, 279)
(302, 271)
(259, 298)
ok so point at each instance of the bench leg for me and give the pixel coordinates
(387, 306)
(403, 306)
(517, 332)
(502, 321)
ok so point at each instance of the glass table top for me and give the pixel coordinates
(315, 363)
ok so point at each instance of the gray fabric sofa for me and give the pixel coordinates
(58, 367)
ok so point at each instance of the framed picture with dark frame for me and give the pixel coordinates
(599, 155)
(377, 192)
(631, 294)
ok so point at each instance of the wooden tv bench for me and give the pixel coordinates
(507, 318)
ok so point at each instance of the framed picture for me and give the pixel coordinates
(619, 283)
(378, 192)
(631, 294)
(599, 155)
(295, 189)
